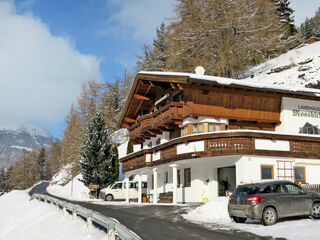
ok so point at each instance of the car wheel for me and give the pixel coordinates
(239, 219)
(109, 197)
(315, 211)
(269, 216)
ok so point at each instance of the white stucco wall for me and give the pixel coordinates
(197, 146)
(156, 156)
(267, 144)
(148, 157)
(164, 137)
(203, 120)
(122, 149)
(248, 168)
(136, 147)
(296, 112)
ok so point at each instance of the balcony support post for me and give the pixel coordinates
(140, 188)
(174, 183)
(155, 185)
(126, 180)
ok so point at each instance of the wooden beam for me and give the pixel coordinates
(140, 97)
(129, 120)
(151, 133)
(155, 131)
(178, 122)
(140, 104)
(124, 125)
(179, 86)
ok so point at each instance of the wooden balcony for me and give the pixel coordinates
(164, 119)
(224, 144)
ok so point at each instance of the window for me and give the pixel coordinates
(266, 172)
(117, 186)
(131, 185)
(158, 141)
(185, 130)
(166, 178)
(280, 188)
(200, 128)
(293, 189)
(178, 178)
(300, 174)
(217, 127)
(152, 183)
(194, 128)
(211, 129)
(309, 129)
(187, 177)
(150, 144)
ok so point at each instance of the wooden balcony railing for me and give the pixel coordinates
(223, 144)
(308, 148)
(230, 144)
(148, 125)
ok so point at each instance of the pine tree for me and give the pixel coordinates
(285, 13)
(311, 27)
(2, 181)
(98, 161)
(154, 58)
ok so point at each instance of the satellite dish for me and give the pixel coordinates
(199, 70)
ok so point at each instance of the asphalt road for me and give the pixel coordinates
(159, 222)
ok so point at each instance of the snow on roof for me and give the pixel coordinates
(243, 83)
(294, 69)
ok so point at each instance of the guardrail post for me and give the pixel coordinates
(64, 209)
(89, 220)
(111, 232)
(74, 214)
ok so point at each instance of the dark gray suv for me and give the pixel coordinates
(270, 200)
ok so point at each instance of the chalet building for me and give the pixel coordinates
(197, 137)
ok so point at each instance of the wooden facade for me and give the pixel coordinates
(221, 144)
(159, 103)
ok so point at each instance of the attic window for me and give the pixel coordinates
(309, 129)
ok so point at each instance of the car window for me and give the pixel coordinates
(268, 188)
(144, 185)
(132, 185)
(293, 189)
(280, 188)
(246, 190)
(117, 186)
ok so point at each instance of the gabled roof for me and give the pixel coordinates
(144, 80)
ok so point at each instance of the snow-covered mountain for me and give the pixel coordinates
(299, 67)
(15, 138)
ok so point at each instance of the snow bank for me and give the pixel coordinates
(63, 176)
(74, 190)
(216, 213)
(22, 219)
(296, 68)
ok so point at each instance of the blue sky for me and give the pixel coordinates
(72, 41)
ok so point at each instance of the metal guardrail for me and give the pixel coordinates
(114, 228)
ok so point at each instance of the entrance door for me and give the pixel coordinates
(227, 180)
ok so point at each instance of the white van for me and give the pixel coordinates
(117, 191)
